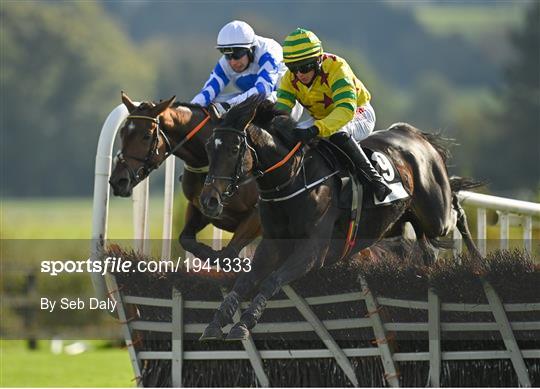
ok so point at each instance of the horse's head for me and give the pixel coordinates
(229, 155)
(143, 145)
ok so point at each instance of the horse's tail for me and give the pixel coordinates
(440, 143)
(463, 183)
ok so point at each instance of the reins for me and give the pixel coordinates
(237, 180)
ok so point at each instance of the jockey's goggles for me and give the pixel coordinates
(303, 68)
(234, 52)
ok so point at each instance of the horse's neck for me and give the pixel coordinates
(177, 124)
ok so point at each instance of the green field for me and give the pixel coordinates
(98, 367)
(70, 218)
(469, 21)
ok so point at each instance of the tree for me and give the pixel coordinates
(63, 67)
(515, 151)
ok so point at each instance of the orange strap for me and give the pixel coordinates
(349, 243)
(198, 126)
(284, 160)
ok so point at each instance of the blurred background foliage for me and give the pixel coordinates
(469, 70)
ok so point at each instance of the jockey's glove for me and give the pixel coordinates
(217, 110)
(306, 134)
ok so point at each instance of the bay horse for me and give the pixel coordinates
(149, 135)
(304, 227)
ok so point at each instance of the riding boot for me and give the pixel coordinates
(349, 146)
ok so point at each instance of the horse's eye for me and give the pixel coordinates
(235, 148)
(146, 136)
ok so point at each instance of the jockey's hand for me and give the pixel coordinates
(217, 110)
(306, 134)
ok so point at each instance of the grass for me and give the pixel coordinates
(70, 218)
(98, 367)
(468, 21)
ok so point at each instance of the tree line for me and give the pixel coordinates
(64, 65)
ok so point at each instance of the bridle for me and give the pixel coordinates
(149, 162)
(240, 177)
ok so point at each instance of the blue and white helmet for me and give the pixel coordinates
(236, 34)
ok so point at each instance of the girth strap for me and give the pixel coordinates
(356, 211)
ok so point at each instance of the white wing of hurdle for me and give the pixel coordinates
(100, 212)
(435, 355)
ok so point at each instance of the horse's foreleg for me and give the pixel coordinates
(264, 261)
(195, 221)
(307, 255)
(248, 229)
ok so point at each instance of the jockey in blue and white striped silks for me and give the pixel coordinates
(263, 67)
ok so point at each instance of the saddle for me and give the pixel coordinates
(338, 160)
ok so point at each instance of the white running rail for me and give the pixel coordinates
(505, 207)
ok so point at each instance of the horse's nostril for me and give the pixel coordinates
(213, 202)
(123, 182)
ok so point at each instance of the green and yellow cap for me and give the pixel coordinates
(301, 44)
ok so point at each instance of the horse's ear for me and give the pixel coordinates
(128, 103)
(162, 106)
(249, 109)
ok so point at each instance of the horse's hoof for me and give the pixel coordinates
(211, 333)
(238, 332)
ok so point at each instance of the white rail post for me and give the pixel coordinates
(140, 216)
(458, 242)
(100, 207)
(505, 229)
(217, 236)
(434, 333)
(527, 233)
(481, 231)
(168, 198)
(177, 348)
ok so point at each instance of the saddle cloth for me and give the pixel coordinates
(382, 163)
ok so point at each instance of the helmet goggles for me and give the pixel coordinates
(303, 66)
(234, 52)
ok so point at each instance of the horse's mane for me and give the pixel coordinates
(186, 105)
(277, 122)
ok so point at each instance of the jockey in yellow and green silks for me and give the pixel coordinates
(337, 101)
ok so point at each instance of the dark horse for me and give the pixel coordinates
(154, 131)
(308, 228)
